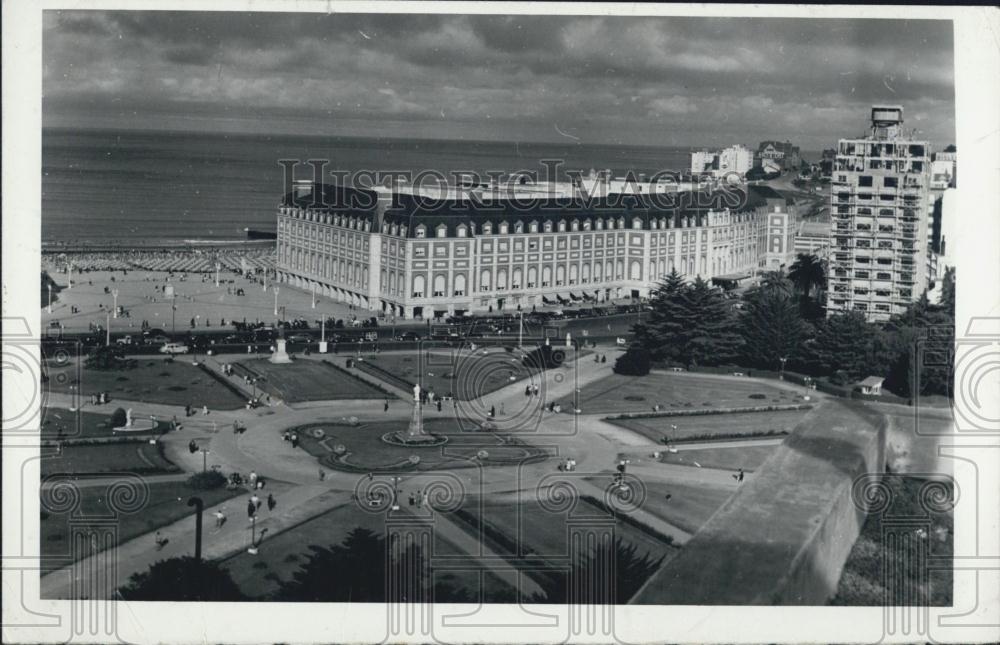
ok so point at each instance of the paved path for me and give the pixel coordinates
(587, 438)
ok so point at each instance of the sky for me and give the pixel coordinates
(605, 80)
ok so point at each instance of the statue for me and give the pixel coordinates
(128, 418)
(416, 393)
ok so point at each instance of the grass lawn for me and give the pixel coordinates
(281, 555)
(688, 506)
(618, 393)
(875, 561)
(308, 380)
(133, 456)
(167, 503)
(748, 458)
(655, 428)
(365, 450)
(154, 380)
(60, 423)
(460, 372)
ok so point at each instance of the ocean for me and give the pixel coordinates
(130, 187)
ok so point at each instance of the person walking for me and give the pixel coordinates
(253, 479)
(322, 475)
(295, 440)
(385, 406)
(160, 541)
(251, 509)
(255, 501)
(220, 518)
(493, 411)
(271, 502)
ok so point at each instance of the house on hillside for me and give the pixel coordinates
(871, 385)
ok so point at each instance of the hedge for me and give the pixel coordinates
(702, 411)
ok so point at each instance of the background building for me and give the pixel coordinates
(879, 214)
(782, 156)
(736, 159)
(406, 255)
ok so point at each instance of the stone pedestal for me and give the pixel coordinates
(323, 345)
(280, 354)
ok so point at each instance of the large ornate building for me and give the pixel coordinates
(412, 256)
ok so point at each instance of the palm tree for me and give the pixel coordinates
(807, 272)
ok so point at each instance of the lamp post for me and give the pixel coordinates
(107, 331)
(199, 506)
(395, 491)
(520, 330)
(313, 295)
(253, 536)
(69, 275)
(276, 290)
(217, 267)
(114, 307)
(782, 375)
(204, 459)
(49, 308)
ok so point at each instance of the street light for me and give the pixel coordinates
(114, 295)
(107, 332)
(217, 267)
(69, 275)
(253, 536)
(276, 290)
(782, 375)
(313, 295)
(204, 459)
(49, 308)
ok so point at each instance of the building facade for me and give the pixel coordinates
(879, 214)
(736, 159)
(407, 256)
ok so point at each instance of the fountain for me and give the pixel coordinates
(280, 354)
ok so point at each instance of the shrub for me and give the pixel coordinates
(634, 362)
(206, 480)
(118, 418)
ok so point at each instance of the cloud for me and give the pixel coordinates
(620, 78)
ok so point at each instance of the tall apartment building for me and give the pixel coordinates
(879, 214)
(736, 159)
(408, 256)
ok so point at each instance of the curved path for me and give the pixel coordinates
(594, 444)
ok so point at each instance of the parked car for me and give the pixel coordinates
(174, 348)
(158, 339)
(124, 340)
(408, 336)
(299, 338)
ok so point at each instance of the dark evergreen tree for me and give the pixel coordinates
(669, 324)
(713, 337)
(846, 343)
(772, 328)
(357, 566)
(634, 362)
(182, 579)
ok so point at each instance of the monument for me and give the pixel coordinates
(280, 354)
(415, 433)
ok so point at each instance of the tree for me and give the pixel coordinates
(776, 281)
(669, 324)
(357, 565)
(634, 362)
(947, 299)
(772, 328)
(713, 339)
(847, 343)
(183, 579)
(630, 572)
(807, 272)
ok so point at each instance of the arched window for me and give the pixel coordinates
(485, 280)
(515, 282)
(620, 270)
(462, 230)
(501, 279)
(562, 226)
(636, 223)
(460, 284)
(574, 225)
(635, 270)
(421, 231)
(548, 226)
(439, 285)
(546, 276)
(600, 224)
(586, 273)
(392, 282)
(609, 271)
(532, 277)
(652, 269)
(487, 228)
(504, 228)
(586, 224)
(560, 275)
(419, 285)
(533, 227)
(442, 230)
(519, 226)
(574, 274)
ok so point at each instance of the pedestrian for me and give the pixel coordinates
(295, 440)
(251, 509)
(271, 503)
(322, 475)
(204, 409)
(493, 411)
(739, 477)
(236, 427)
(160, 541)
(439, 404)
(370, 476)
(255, 501)
(260, 483)
(527, 390)
(253, 479)
(220, 518)
(604, 358)
(385, 406)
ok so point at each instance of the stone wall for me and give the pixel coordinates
(783, 538)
